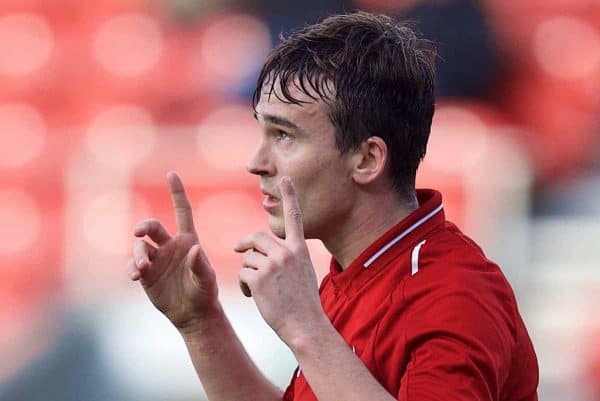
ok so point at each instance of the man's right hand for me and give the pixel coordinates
(175, 273)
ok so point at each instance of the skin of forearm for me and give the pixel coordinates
(222, 364)
(333, 371)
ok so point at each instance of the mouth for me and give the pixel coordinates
(270, 202)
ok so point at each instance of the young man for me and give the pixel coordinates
(412, 309)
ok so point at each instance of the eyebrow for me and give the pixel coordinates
(279, 121)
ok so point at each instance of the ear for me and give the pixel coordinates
(369, 160)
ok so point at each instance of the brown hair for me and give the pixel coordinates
(383, 81)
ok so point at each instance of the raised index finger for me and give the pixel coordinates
(292, 215)
(181, 204)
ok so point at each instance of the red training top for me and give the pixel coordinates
(430, 316)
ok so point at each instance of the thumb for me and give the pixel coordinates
(197, 262)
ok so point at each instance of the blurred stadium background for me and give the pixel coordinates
(99, 99)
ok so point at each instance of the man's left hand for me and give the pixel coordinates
(280, 275)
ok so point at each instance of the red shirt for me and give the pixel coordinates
(430, 316)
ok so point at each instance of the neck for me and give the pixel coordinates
(368, 221)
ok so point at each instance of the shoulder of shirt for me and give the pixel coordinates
(456, 285)
(452, 263)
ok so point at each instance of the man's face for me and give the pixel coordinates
(299, 142)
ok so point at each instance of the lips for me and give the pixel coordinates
(270, 202)
(267, 193)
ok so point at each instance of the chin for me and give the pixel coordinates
(277, 227)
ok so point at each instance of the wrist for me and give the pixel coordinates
(204, 324)
(308, 335)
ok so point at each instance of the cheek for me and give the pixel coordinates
(326, 191)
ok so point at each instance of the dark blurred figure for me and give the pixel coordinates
(467, 64)
(286, 16)
(70, 368)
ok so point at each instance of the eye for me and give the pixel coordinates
(283, 136)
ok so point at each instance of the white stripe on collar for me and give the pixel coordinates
(393, 242)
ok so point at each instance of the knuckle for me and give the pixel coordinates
(286, 256)
(245, 258)
(242, 244)
(299, 248)
(149, 221)
(153, 225)
(183, 204)
(295, 213)
(271, 265)
(256, 237)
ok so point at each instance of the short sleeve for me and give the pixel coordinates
(449, 346)
(441, 369)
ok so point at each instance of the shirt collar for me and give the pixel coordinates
(386, 248)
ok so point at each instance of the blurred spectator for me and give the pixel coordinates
(284, 16)
(69, 369)
(468, 64)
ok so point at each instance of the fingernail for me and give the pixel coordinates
(285, 180)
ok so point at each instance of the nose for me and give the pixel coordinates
(260, 163)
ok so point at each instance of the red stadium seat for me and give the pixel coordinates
(205, 63)
(31, 281)
(213, 153)
(31, 211)
(29, 56)
(553, 53)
